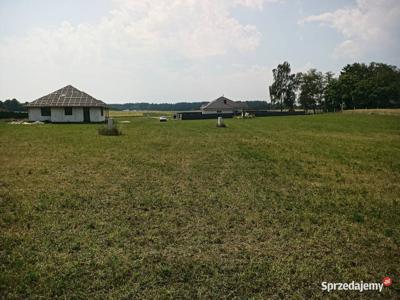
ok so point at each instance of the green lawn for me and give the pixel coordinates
(266, 208)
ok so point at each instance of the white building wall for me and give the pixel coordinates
(58, 115)
(95, 114)
(35, 114)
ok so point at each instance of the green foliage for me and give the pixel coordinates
(311, 85)
(262, 209)
(12, 106)
(13, 115)
(283, 88)
(332, 95)
(376, 85)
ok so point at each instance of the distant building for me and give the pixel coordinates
(68, 105)
(223, 105)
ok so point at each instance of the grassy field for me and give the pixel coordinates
(266, 208)
(391, 111)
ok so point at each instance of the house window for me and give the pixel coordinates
(45, 111)
(68, 111)
(101, 111)
(219, 111)
(224, 101)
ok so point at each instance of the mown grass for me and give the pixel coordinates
(266, 208)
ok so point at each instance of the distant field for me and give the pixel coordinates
(266, 208)
(393, 111)
(117, 114)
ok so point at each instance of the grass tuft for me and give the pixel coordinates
(114, 131)
(357, 217)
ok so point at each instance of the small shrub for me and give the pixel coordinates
(109, 131)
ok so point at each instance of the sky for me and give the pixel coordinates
(158, 51)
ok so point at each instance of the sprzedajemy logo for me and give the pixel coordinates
(356, 286)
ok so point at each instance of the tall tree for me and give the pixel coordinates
(283, 88)
(311, 85)
(332, 95)
(370, 86)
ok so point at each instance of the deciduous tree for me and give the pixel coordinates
(283, 88)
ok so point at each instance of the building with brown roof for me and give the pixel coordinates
(223, 105)
(68, 105)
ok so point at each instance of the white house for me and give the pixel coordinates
(68, 105)
(223, 105)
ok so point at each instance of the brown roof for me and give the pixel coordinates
(66, 97)
(224, 103)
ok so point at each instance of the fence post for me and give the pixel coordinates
(110, 123)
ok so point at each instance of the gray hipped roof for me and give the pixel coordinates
(66, 97)
(224, 103)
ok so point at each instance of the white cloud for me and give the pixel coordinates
(192, 28)
(138, 37)
(303, 68)
(259, 4)
(348, 48)
(369, 26)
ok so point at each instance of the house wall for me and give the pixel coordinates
(223, 111)
(58, 115)
(35, 114)
(95, 114)
(194, 115)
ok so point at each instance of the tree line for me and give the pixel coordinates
(12, 105)
(15, 106)
(358, 85)
(180, 106)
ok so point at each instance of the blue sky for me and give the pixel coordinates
(183, 50)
